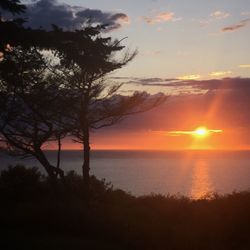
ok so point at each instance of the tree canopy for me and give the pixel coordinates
(29, 106)
(69, 94)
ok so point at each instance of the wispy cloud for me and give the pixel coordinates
(215, 84)
(189, 77)
(220, 73)
(162, 17)
(152, 53)
(220, 14)
(245, 13)
(244, 66)
(236, 26)
(193, 132)
(214, 16)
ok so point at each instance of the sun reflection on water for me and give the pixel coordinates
(201, 183)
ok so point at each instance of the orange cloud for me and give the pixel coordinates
(160, 18)
(122, 19)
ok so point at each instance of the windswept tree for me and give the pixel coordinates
(31, 106)
(86, 60)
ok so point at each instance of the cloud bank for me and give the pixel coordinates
(224, 104)
(43, 13)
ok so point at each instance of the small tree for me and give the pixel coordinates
(85, 62)
(30, 104)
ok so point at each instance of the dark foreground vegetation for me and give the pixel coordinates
(38, 214)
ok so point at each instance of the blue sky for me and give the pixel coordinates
(188, 43)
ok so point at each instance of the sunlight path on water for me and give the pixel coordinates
(201, 183)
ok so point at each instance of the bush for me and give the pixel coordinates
(114, 217)
(18, 182)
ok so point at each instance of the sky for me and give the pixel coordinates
(194, 51)
(177, 38)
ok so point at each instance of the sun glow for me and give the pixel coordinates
(201, 132)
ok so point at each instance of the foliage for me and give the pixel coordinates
(30, 105)
(19, 183)
(18, 176)
(113, 219)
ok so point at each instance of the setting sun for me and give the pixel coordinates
(201, 132)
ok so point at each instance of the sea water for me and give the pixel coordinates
(189, 173)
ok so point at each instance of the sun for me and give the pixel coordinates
(201, 132)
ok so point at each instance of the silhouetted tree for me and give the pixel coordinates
(30, 107)
(86, 59)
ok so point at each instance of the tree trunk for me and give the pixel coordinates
(59, 144)
(86, 157)
(51, 170)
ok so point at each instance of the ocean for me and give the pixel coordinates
(190, 173)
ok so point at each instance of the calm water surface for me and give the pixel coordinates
(191, 173)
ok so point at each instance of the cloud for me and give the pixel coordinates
(152, 53)
(236, 26)
(145, 81)
(220, 14)
(177, 87)
(220, 73)
(189, 77)
(160, 82)
(161, 18)
(225, 105)
(214, 16)
(193, 132)
(245, 13)
(43, 13)
(206, 85)
(232, 84)
(244, 66)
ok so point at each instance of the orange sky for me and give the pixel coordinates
(161, 140)
(223, 106)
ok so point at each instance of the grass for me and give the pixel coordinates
(36, 215)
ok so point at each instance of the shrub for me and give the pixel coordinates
(18, 182)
